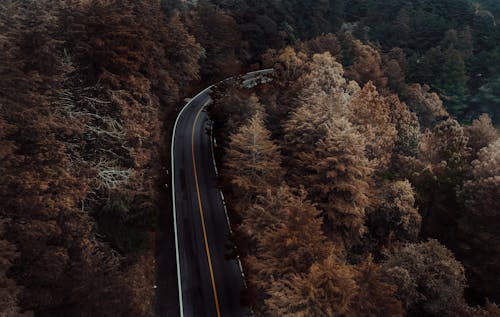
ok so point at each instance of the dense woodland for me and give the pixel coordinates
(84, 88)
(363, 180)
(346, 204)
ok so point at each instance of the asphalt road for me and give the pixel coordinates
(210, 282)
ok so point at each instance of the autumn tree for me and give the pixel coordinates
(283, 234)
(252, 161)
(221, 45)
(324, 96)
(323, 79)
(479, 244)
(9, 289)
(322, 43)
(445, 151)
(428, 278)
(328, 289)
(372, 291)
(81, 86)
(426, 104)
(394, 67)
(369, 112)
(366, 66)
(397, 218)
(287, 62)
(480, 134)
(232, 109)
(407, 127)
(337, 174)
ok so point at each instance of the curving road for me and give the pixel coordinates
(209, 282)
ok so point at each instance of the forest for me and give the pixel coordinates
(362, 181)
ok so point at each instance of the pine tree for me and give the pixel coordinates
(287, 232)
(221, 45)
(375, 297)
(480, 134)
(479, 226)
(407, 127)
(338, 175)
(396, 219)
(369, 112)
(427, 105)
(428, 278)
(252, 161)
(328, 289)
(367, 65)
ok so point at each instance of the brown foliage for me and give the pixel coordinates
(320, 44)
(428, 278)
(9, 290)
(286, 232)
(253, 161)
(367, 65)
(375, 296)
(480, 134)
(80, 88)
(426, 104)
(394, 66)
(337, 175)
(396, 219)
(328, 289)
(217, 32)
(480, 243)
(369, 112)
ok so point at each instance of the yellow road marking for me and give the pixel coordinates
(203, 218)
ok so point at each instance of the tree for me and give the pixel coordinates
(287, 62)
(233, 109)
(77, 88)
(447, 145)
(337, 174)
(9, 290)
(480, 134)
(428, 278)
(444, 150)
(369, 112)
(323, 97)
(324, 77)
(427, 105)
(328, 289)
(396, 218)
(394, 67)
(407, 127)
(479, 244)
(252, 161)
(487, 99)
(444, 70)
(283, 235)
(375, 296)
(367, 65)
(221, 45)
(322, 43)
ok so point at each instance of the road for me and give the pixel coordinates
(209, 281)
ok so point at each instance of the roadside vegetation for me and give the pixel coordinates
(348, 201)
(367, 172)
